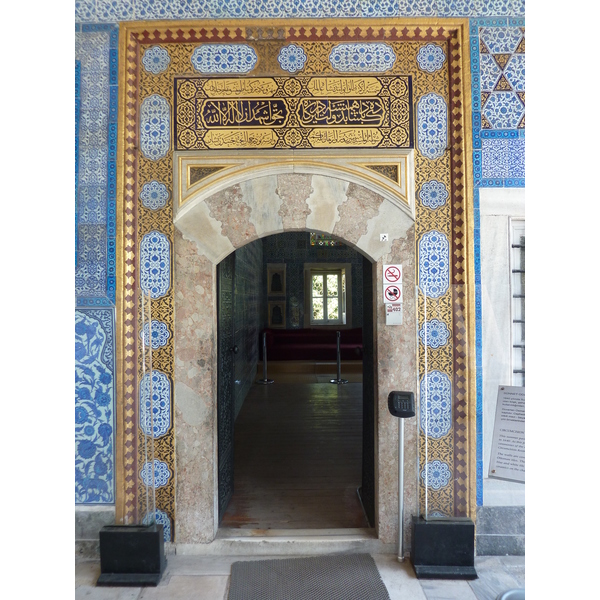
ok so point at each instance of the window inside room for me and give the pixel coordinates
(328, 294)
(517, 266)
(328, 297)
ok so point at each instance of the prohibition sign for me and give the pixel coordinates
(392, 274)
(392, 293)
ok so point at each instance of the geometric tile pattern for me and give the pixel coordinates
(430, 58)
(436, 404)
(434, 333)
(291, 58)
(497, 69)
(498, 99)
(436, 474)
(156, 60)
(94, 412)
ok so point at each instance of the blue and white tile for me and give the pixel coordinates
(434, 333)
(92, 166)
(224, 58)
(435, 414)
(155, 264)
(112, 11)
(163, 519)
(432, 125)
(292, 58)
(94, 406)
(501, 40)
(413, 8)
(85, 11)
(362, 57)
(504, 110)
(514, 71)
(92, 49)
(494, 158)
(156, 59)
(94, 89)
(431, 58)
(155, 127)
(92, 205)
(434, 264)
(94, 120)
(516, 158)
(490, 73)
(155, 408)
(154, 195)
(157, 472)
(436, 474)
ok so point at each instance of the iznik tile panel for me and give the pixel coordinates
(498, 88)
(87, 11)
(94, 406)
(95, 174)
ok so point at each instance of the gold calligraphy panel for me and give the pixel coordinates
(293, 112)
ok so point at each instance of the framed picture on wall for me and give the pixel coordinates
(277, 314)
(276, 279)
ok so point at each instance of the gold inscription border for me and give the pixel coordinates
(134, 33)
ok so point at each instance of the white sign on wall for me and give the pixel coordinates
(508, 443)
(393, 314)
(392, 284)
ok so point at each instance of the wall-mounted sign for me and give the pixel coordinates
(392, 284)
(393, 314)
(293, 112)
(508, 443)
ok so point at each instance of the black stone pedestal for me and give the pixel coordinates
(131, 555)
(443, 549)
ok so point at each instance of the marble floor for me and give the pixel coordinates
(207, 578)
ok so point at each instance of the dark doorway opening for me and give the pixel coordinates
(297, 454)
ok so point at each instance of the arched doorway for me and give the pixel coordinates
(295, 455)
(238, 214)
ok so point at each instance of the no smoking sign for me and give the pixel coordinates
(392, 284)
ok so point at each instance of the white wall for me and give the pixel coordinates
(497, 205)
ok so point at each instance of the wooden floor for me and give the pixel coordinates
(298, 449)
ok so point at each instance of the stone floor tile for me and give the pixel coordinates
(86, 592)
(493, 581)
(399, 578)
(447, 589)
(87, 573)
(188, 587)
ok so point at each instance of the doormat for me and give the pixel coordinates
(336, 577)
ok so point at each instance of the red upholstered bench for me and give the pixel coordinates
(312, 344)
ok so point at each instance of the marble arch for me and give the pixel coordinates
(239, 214)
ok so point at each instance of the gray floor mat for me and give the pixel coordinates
(332, 577)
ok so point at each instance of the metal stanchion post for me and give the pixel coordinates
(265, 380)
(339, 379)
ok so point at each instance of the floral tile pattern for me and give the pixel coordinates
(94, 415)
(125, 10)
(224, 58)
